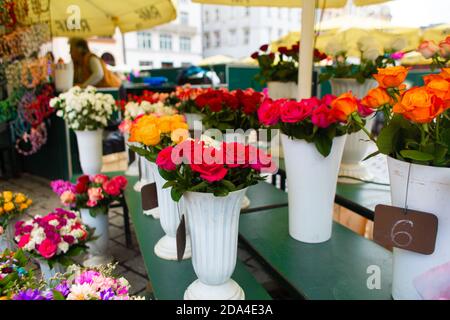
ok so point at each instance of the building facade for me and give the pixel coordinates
(239, 31)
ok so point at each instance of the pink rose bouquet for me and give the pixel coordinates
(95, 193)
(55, 237)
(315, 120)
(440, 53)
(212, 167)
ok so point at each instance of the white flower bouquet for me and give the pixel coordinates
(84, 109)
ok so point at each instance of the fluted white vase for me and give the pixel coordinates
(98, 253)
(312, 180)
(133, 169)
(282, 90)
(356, 146)
(90, 150)
(143, 175)
(7, 238)
(47, 272)
(170, 216)
(213, 224)
(429, 191)
(149, 174)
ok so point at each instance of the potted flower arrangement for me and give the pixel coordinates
(416, 140)
(279, 70)
(357, 78)
(87, 112)
(14, 274)
(132, 110)
(212, 178)
(53, 239)
(92, 196)
(81, 284)
(12, 206)
(313, 137)
(440, 54)
(153, 134)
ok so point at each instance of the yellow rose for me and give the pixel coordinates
(8, 207)
(179, 135)
(164, 124)
(150, 135)
(20, 198)
(29, 202)
(179, 125)
(178, 118)
(7, 196)
(23, 206)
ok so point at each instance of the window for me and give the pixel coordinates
(146, 63)
(232, 36)
(218, 42)
(166, 65)
(206, 16)
(185, 44)
(184, 18)
(144, 40)
(207, 40)
(217, 15)
(165, 42)
(246, 35)
(247, 11)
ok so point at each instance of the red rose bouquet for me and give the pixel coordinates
(212, 167)
(55, 237)
(230, 110)
(315, 120)
(183, 99)
(95, 193)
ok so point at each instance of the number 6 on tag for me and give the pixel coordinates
(413, 231)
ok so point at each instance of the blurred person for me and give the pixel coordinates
(89, 69)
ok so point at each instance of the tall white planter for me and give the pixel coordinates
(357, 143)
(133, 169)
(169, 215)
(149, 174)
(145, 174)
(7, 238)
(90, 150)
(429, 191)
(97, 249)
(282, 90)
(47, 272)
(213, 223)
(312, 182)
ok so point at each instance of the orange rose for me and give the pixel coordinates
(419, 105)
(343, 106)
(377, 98)
(440, 87)
(391, 77)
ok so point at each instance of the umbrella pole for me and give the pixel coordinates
(305, 69)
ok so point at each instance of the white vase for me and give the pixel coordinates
(169, 215)
(90, 150)
(133, 169)
(142, 173)
(312, 180)
(282, 90)
(47, 272)
(7, 238)
(64, 76)
(149, 173)
(428, 191)
(355, 149)
(214, 223)
(97, 249)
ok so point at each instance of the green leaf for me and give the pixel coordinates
(169, 184)
(416, 155)
(386, 139)
(167, 175)
(229, 185)
(140, 151)
(323, 144)
(176, 194)
(199, 186)
(57, 295)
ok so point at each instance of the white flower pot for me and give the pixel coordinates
(90, 150)
(47, 272)
(7, 238)
(169, 214)
(357, 143)
(194, 118)
(311, 182)
(133, 169)
(97, 249)
(142, 173)
(282, 90)
(149, 174)
(428, 191)
(214, 223)
(64, 76)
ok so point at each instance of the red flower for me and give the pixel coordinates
(24, 240)
(255, 55)
(47, 249)
(259, 160)
(112, 188)
(164, 159)
(269, 112)
(264, 47)
(122, 181)
(100, 178)
(322, 117)
(235, 155)
(82, 184)
(210, 172)
(83, 179)
(293, 111)
(283, 50)
(364, 110)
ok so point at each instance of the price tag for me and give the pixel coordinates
(149, 197)
(405, 229)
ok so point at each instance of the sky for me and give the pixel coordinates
(418, 13)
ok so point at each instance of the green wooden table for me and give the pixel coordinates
(334, 270)
(265, 196)
(169, 278)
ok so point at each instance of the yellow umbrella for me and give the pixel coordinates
(213, 60)
(308, 20)
(437, 33)
(85, 18)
